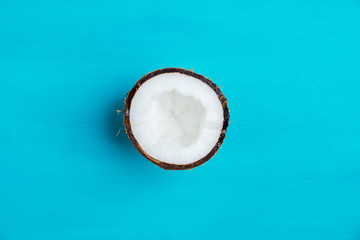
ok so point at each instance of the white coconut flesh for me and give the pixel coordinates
(176, 118)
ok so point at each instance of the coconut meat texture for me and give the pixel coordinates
(176, 118)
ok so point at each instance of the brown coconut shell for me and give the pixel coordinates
(164, 165)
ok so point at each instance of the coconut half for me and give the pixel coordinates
(176, 118)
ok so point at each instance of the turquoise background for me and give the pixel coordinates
(289, 167)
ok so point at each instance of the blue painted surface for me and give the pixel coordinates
(290, 164)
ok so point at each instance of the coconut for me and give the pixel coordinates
(176, 118)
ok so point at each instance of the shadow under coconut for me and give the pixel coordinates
(117, 136)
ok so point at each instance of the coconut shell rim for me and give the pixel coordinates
(165, 165)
